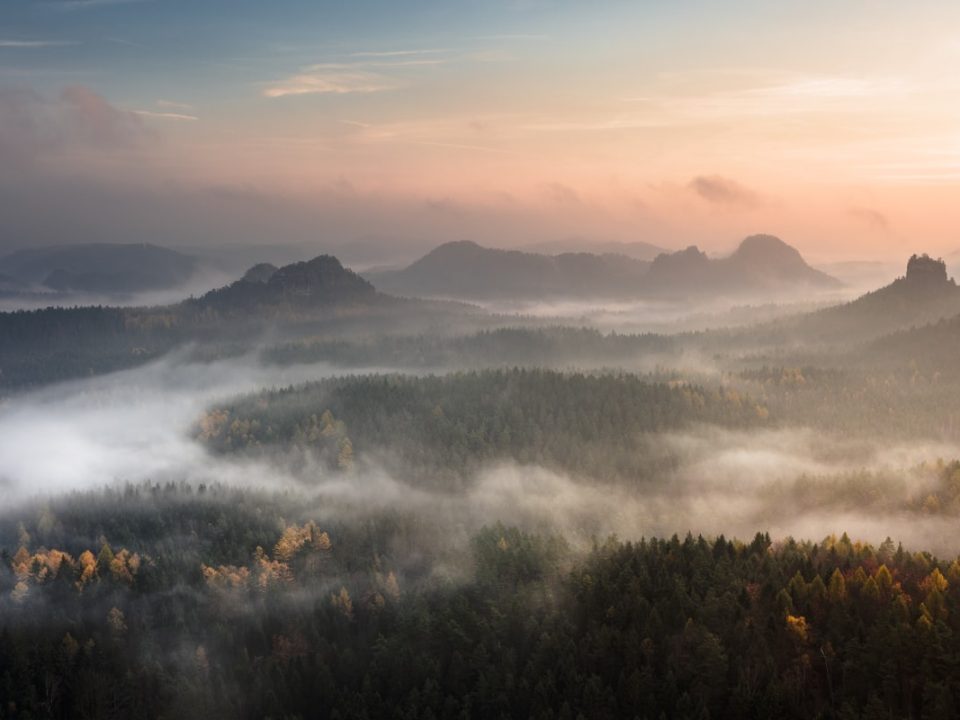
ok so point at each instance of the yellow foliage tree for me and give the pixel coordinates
(342, 602)
(797, 627)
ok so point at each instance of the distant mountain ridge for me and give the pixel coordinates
(761, 264)
(467, 270)
(636, 250)
(925, 294)
(320, 281)
(100, 268)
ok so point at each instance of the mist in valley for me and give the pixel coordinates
(297, 468)
(140, 426)
(547, 360)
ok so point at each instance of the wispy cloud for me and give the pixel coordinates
(79, 119)
(831, 88)
(362, 76)
(620, 122)
(401, 63)
(399, 53)
(873, 218)
(333, 79)
(460, 146)
(34, 43)
(512, 36)
(165, 115)
(720, 190)
(757, 95)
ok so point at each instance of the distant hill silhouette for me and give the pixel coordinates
(637, 250)
(467, 270)
(925, 294)
(260, 273)
(762, 264)
(101, 268)
(313, 283)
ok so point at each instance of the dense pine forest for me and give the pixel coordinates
(441, 428)
(166, 601)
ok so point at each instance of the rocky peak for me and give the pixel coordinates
(923, 269)
(260, 273)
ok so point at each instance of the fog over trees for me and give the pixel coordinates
(297, 495)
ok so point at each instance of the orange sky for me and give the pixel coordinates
(836, 128)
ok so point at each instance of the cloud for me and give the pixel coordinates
(870, 217)
(512, 36)
(719, 190)
(562, 194)
(34, 43)
(461, 146)
(165, 115)
(360, 76)
(93, 120)
(399, 53)
(136, 426)
(331, 79)
(832, 88)
(32, 124)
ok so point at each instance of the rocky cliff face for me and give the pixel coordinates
(923, 269)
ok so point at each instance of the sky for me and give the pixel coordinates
(835, 126)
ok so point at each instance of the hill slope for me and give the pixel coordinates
(312, 283)
(99, 268)
(761, 265)
(636, 250)
(924, 295)
(465, 269)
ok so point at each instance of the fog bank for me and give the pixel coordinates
(137, 425)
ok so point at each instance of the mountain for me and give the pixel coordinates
(925, 294)
(761, 265)
(467, 270)
(100, 268)
(313, 284)
(316, 299)
(637, 250)
(260, 273)
(767, 260)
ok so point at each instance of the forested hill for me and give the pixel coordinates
(302, 285)
(42, 346)
(164, 601)
(98, 268)
(762, 266)
(467, 270)
(440, 429)
(923, 295)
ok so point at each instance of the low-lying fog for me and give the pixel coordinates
(136, 425)
(654, 316)
(41, 298)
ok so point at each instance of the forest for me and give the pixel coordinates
(441, 428)
(276, 501)
(166, 600)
